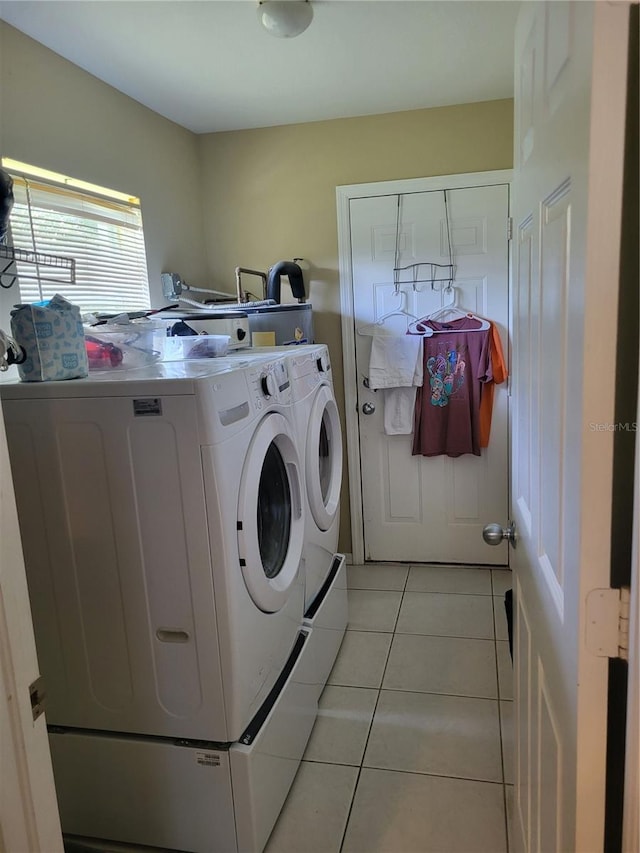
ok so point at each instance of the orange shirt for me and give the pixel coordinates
(499, 375)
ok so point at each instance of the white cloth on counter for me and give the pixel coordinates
(395, 365)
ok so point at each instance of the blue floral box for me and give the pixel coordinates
(53, 338)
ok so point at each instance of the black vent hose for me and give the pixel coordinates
(294, 274)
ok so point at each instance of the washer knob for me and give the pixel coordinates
(323, 364)
(268, 384)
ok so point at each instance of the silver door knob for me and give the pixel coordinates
(368, 408)
(493, 534)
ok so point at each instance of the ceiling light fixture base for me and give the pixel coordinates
(285, 18)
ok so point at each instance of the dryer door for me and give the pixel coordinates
(323, 463)
(270, 520)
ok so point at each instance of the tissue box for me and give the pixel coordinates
(53, 339)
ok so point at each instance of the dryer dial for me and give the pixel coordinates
(323, 364)
(268, 384)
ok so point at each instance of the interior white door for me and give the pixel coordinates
(415, 508)
(569, 133)
(28, 808)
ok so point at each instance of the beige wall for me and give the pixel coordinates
(57, 116)
(263, 195)
(269, 194)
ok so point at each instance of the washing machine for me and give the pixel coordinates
(319, 442)
(162, 517)
(320, 446)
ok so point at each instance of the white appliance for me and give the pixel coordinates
(280, 325)
(234, 323)
(268, 324)
(319, 442)
(162, 518)
(320, 446)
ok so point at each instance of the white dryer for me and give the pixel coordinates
(319, 442)
(319, 438)
(162, 517)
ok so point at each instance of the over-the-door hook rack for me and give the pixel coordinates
(434, 277)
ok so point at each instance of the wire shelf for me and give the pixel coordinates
(35, 259)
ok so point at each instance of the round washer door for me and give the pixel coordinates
(270, 520)
(323, 463)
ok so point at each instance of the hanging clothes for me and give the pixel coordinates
(395, 365)
(500, 374)
(457, 364)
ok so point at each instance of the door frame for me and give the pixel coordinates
(344, 194)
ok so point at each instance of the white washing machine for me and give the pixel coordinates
(162, 517)
(320, 446)
(319, 441)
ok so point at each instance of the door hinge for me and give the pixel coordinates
(509, 228)
(607, 629)
(37, 695)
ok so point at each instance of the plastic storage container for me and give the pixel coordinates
(195, 346)
(124, 346)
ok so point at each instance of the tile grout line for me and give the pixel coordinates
(375, 708)
(394, 633)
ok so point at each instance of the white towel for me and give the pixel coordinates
(399, 406)
(395, 365)
(395, 361)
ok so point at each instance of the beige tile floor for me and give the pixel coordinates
(412, 748)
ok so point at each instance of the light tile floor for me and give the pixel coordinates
(412, 748)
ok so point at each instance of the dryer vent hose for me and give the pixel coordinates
(294, 274)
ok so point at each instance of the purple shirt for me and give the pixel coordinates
(447, 413)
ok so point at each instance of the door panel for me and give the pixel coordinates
(417, 508)
(28, 807)
(570, 100)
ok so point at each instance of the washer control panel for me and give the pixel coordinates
(323, 365)
(269, 382)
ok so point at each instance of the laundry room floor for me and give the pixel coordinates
(412, 748)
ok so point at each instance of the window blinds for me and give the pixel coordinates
(104, 236)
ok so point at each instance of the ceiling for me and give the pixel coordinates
(209, 66)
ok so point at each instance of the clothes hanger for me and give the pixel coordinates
(418, 327)
(370, 328)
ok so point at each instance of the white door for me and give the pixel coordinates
(569, 114)
(28, 809)
(415, 508)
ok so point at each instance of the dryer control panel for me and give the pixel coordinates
(269, 382)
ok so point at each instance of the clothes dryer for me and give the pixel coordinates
(320, 446)
(319, 442)
(162, 518)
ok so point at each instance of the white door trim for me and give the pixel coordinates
(631, 819)
(344, 194)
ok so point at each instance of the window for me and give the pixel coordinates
(100, 229)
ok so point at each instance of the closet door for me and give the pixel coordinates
(422, 509)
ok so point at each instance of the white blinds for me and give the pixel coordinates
(104, 237)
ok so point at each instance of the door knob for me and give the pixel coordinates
(493, 534)
(368, 408)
